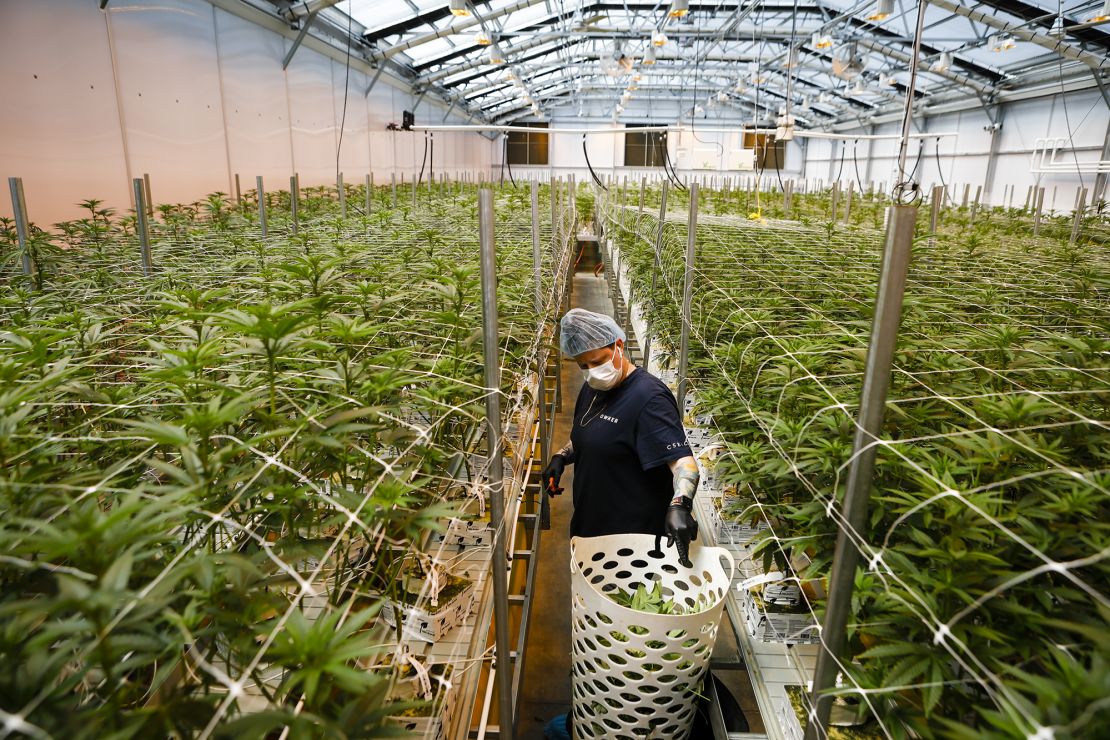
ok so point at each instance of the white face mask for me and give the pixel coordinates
(606, 375)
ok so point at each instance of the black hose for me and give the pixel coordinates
(432, 159)
(423, 160)
(855, 164)
(593, 174)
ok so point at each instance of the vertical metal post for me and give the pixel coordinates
(541, 357)
(342, 196)
(498, 558)
(22, 225)
(294, 196)
(1028, 199)
(655, 267)
(261, 204)
(835, 193)
(1038, 204)
(934, 213)
(848, 200)
(149, 200)
(788, 199)
(643, 186)
(142, 226)
(1077, 222)
(687, 297)
(238, 192)
(967, 192)
(876, 380)
(414, 194)
(393, 185)
(369, 194)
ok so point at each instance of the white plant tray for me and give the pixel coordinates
(431, 627)
(770, 626)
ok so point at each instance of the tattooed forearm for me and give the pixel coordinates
(567, 452)
(685, 477)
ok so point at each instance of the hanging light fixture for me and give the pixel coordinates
(821, 41)
(482, 39)
(494, 55)
(1002, 42)
(649, 56)
(619, 109)
(882, 11)
(757, 76)
(679, 8)
(722, 97)
(944, 61)
(659, 39)
(459, 9)
(1103, 15)
(698, 110)
(886, 80)
(859, 88)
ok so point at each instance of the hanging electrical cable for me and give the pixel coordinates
(855, 162)
(423, 160)
(593, 174)
(940, 170)
(899, 193)
(346, 88)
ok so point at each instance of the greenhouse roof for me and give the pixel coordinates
(836, 61)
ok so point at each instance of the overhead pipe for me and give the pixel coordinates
(680, 129)
(508, 51)
(1068, 51)
(904, 58)
(454, 28)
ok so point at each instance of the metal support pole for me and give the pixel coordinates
(1038, 204)
(393, 185)
(967, 192)
(414, 194)
(934, 213)
(293, 198)
(238, 192)
(541, 357)
(342, 196)
(149, 200)
(975, 204)
(788, 199)
(687, 297)
(142, 226)
(22, 225)
(498, 558)
(876, 380)
(655, 267)
(1077, 222)
(369, 193)
(643, 186)
(261, 205)
(848, 200)
(835, 193)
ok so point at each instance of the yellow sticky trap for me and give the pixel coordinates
(756, 215)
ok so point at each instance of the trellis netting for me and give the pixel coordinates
(637, 674)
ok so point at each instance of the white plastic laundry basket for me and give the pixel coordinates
(638, 675)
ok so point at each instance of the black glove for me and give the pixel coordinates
(681, 529)
(549, 478)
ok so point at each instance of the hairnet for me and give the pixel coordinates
(583, 331)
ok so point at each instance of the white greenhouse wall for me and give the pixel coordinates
(191, 95)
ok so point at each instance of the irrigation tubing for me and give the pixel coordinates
(855, 164)
(423, 160)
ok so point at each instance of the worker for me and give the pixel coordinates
(633, 468)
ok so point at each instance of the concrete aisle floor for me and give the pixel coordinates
(545, 691)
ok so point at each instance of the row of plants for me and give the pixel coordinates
(982, 610)
(212, 478)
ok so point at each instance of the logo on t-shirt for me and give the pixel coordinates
(675, 445)
(610, 419)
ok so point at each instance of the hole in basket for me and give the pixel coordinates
(624, 575)
(604, 641)
(639, 563)
(617, 659)
(688, 643)
(589, 620)
(609, 587)
(609, 564)
(616, 681)
(679, 583)
(626, 552)
(670, 730)
(637, 731)
(681, 687)
(626, 718)
(684, 665)
(589, 689)
(656, 554)
(649, 689)
(668, 568)
(645, 711)
(588, 571)
(637, 629)
(633, 675)
(656, 721)
(693, 579)
(661, 701)
(668, 592)
(656, 644)
(635, 653)
(603, 618)
(618, 636)
(634, 586)
(610, 723)
(672, 656)
(597, 579)
(667, 678)
(629, 697)
(613, 703)
(652, 667)
(690, 602)
(600, 685)
(653, 576)
(702, 650)
(603, 665)
(708, 627)
(589, 642)
(597, 556)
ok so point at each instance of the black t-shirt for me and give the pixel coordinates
(623, 440)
